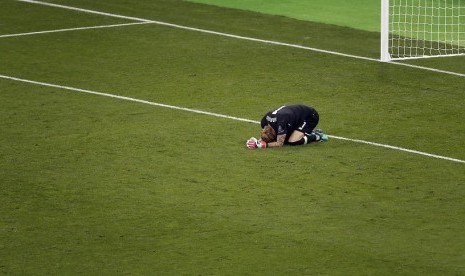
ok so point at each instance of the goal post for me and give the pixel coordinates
(422, 29)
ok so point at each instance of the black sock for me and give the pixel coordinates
(311, 137)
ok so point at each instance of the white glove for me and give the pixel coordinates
(253, 143)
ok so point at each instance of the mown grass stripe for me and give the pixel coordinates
(219, 116)
(241, 37)
(74, 29)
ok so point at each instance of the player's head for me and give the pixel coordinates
(268, 134)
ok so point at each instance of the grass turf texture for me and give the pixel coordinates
(357, 14)
(97, 185)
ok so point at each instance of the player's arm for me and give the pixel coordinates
(254, 143)
(279, 141)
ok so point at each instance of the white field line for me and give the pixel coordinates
(126, 98)
(74, 29)
(218, 115)
(241, 37)
(85, 10)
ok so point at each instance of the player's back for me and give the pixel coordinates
(291, 114)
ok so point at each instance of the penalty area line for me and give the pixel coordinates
(271, 42)
(218, 115)
(126, 98)
(399, 149)
(74, 29)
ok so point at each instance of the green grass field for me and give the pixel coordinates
(358, 14)
(99, 185)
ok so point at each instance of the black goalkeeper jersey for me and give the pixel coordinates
(288, 118)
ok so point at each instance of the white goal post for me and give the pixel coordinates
(422, 28)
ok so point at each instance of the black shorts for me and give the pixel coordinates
(310, 123)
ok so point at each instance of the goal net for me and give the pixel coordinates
(422, 28)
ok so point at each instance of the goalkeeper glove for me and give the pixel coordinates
(253, 143)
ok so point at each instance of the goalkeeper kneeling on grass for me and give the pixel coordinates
(288, 125)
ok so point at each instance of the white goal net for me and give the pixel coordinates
(422, 28)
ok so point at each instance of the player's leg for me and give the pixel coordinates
(301, 138)
(296, 136)
(305, 135)
(309, 125)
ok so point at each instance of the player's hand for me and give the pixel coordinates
(253, 143)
